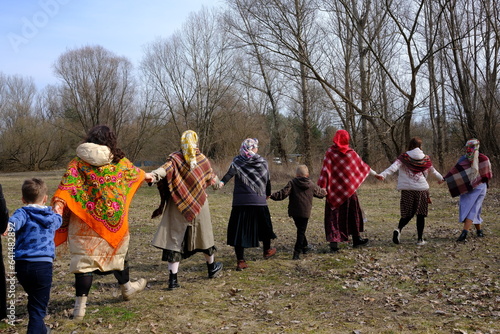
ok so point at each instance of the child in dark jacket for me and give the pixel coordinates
(301, 191)
(35, 225)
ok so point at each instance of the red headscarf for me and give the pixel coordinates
(341, 139)
(343, 170)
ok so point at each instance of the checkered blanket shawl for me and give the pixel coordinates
(457, 178)
(187, 186)
(341, 175)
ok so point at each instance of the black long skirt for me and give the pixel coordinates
(248, 225)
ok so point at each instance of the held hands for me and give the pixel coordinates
(441, 181)
(379, 177)
(148, 178)
(218, 185)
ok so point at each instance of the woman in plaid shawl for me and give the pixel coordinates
(469, 179)
(250, 220)
(342, 173)
(413, 167)
(186, 226)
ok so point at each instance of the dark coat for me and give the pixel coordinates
(4, 219)
(301, 191)
(243, 194)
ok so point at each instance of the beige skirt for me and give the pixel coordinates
(174, 227)
(90, 252)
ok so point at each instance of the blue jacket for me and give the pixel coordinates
(35, 227)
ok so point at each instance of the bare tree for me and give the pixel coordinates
(437, 93)
(97, 87)
(473, 65)
(139, 135)
(17, 97)
(191, 74)
(244, 31)
(27, 139)
(285, 29)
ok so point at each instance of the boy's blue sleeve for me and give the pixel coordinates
(18, 219)
(57, 221)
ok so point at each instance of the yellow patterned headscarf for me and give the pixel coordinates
(189, 144)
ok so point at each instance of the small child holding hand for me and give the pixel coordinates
(301, 191)
(35, 225)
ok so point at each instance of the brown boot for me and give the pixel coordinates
(269, 253)
(241, 265)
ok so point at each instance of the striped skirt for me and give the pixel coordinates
(414, 202)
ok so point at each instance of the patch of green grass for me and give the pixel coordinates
(112, 312)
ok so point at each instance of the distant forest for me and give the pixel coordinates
(289, 73)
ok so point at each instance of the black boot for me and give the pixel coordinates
(296, 255)
(172, 281)
(214, 268)
(463, 236)
(306, 249)
(334, 247)
(358, 241)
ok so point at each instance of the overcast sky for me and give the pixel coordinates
(34, 33)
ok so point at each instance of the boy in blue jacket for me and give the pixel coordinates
(34, 226)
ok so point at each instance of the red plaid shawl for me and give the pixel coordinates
(414, 165)
(341, 175)
(458, 181)
(187, 187)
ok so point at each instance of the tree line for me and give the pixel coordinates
(288, 72)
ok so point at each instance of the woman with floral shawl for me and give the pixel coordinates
(94, 197)
(250, 219)
(413, 167)
(186, 226)
(342, 173)
(469, 179)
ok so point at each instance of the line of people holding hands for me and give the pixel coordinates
(89, 210)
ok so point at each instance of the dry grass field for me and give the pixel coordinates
(442, 287)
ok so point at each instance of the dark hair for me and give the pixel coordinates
(414, 143)
(33, 190)
(102, 135)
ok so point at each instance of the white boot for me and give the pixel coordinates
(80, 306)
(131, 288)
